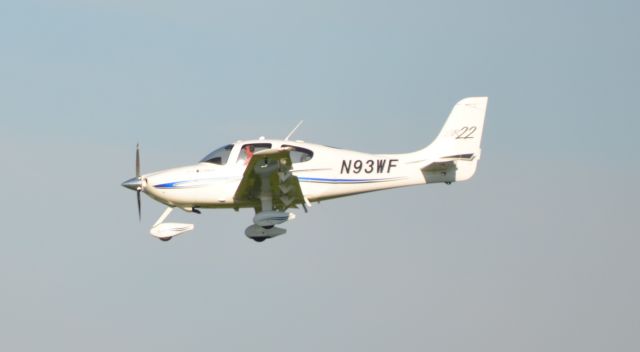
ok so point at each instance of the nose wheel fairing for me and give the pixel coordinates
(167, 230)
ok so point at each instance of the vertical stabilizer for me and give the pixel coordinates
(454, 154)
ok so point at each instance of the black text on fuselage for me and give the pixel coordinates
(379, 166)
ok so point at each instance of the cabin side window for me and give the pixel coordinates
(248, 150)
(298, 154)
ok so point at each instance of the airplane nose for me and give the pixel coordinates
(133, 184)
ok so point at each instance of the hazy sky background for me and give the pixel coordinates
(538, 252)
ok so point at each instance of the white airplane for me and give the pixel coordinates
(273, 176)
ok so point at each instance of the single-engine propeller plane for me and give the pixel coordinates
(273, 176)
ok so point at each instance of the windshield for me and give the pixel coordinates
(218, 156)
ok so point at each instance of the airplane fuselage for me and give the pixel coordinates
(328, 173)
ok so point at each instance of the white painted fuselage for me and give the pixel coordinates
(271, 175)
(330, 173)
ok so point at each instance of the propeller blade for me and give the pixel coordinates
(137, 160)
(139, 207)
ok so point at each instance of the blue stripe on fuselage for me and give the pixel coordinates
(346, 180)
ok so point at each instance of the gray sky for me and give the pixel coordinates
(538, 252)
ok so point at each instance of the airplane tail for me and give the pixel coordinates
(454, 154)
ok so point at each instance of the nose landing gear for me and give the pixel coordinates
(166, 230)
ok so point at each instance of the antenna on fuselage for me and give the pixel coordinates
(293, 130)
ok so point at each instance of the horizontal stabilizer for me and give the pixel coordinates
(440, 172)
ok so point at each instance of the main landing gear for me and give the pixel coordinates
(259, 233)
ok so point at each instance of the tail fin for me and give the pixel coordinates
(454, 154)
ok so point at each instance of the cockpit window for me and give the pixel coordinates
(218, 156)
(299, 155)
(248, 150)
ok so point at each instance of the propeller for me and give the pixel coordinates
(139, 188)
(138, 160)
(136, 183)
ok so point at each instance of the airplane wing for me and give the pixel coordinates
(268, 176)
